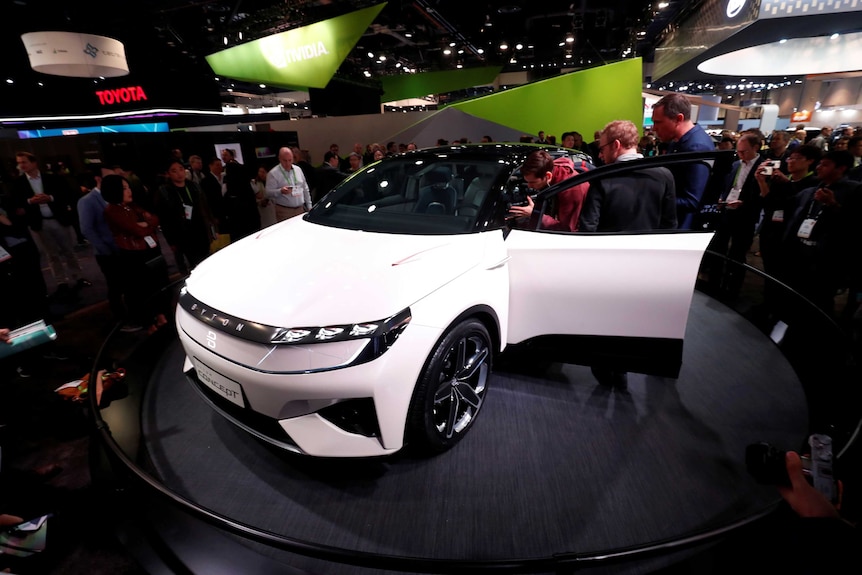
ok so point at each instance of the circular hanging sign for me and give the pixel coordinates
(75, 55)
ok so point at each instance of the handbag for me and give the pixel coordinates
(222, 240)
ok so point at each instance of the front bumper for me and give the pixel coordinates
(285, 408)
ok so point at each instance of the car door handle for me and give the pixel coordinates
(499, 264)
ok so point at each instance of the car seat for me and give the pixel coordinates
(437, 189)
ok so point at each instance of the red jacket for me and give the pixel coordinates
(123, 222)
(569, 201)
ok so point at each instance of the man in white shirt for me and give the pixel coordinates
(287, 188)
(742, 203)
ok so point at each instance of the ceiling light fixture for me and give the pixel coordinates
(519, 46)
(504, 46)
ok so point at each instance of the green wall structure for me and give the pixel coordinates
(403, 86)
(582, 101)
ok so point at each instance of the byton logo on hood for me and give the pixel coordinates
(734, 7)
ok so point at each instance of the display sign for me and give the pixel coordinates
(303, 57)
(801, 116)
(121, 95)
(75, 55)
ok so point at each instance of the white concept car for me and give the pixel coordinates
(372, 321)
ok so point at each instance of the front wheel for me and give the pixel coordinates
(451, 389)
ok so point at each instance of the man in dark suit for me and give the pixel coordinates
(239, 199)
(43, 202)
(327, 176)
(822, 238)
(641, 200)
(637, 201)
(741, 203)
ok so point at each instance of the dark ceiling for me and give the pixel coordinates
(170, 38)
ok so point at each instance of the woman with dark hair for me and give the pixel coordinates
(143, 266)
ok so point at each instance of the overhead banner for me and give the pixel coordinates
(303, 57)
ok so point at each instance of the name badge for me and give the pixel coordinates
(296, 192)
(4, 255)
(733, 195)
(150, 241)
(778, 216)
(187, 209)
(805, 229)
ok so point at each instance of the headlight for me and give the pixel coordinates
(385, 332)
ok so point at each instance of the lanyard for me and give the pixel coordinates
(811, 205)
(288, 180)
(738, 170)
(188, 195)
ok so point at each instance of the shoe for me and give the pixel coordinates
(609, 378)
(82, 283)
(131, 328)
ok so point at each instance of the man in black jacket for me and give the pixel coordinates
(238, 199)
(327, 176)
(741, 202)
(43, 202)
(636, 201)
(822, 238)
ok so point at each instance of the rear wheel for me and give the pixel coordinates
(451, 389)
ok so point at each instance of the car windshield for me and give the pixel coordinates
(411, 195)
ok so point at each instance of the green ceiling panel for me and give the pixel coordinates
(303, 57)
(583, 101)
(403, 86)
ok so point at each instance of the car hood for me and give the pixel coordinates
(301, 274)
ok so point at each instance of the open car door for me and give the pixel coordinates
(603, 299)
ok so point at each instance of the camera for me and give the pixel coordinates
(518, 195)
(766, 464)
(769, 166)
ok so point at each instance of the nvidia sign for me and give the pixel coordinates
(304, 57)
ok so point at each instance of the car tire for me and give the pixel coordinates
(450, 391)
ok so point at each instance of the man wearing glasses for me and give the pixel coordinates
(640, 200)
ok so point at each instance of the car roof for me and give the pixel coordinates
(506, 151)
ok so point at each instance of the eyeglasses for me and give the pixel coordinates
(602, 146)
